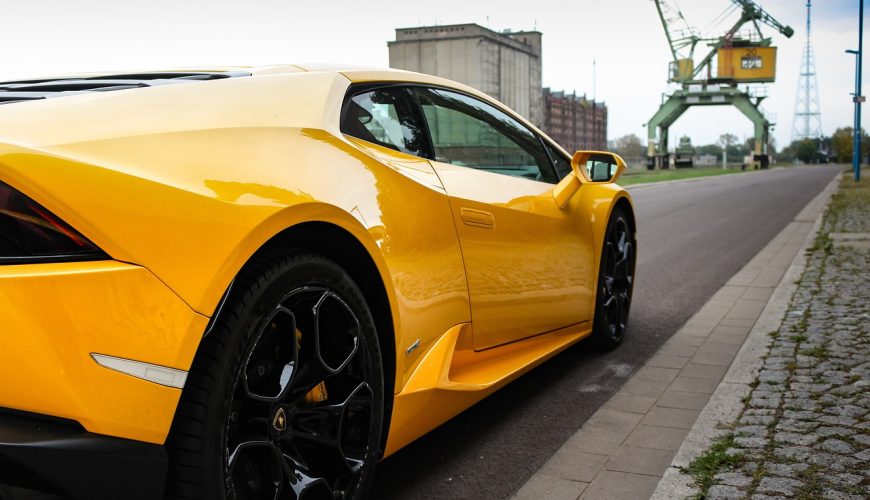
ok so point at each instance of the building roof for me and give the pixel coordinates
(562, 94)
(467, 30)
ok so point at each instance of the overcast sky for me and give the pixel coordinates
(44, 37)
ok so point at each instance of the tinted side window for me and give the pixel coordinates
(384, 117)
(562, 164)
(471, 133)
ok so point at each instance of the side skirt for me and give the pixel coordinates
(453, 376)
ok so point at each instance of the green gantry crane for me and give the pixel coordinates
(740, 57)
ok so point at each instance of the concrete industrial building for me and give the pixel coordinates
(506, 66)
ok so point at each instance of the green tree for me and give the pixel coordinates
(805, 150)
(841, 145)
(629, 147)
(727, 140)
(709, 149)
(787, 153)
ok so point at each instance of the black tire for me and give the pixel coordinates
(615, 282)
(272, 408)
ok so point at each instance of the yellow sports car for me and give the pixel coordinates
(254, 283)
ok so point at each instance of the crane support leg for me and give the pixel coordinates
(681, 100)
(761, 125)
(657, 131)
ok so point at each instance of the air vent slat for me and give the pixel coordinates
(29, 90)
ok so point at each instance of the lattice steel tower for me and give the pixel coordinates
(807, 114)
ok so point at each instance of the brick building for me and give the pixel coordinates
(575, 122)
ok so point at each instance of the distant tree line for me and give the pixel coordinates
(836, 148)
(631, 148)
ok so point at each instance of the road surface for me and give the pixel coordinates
(693, 236)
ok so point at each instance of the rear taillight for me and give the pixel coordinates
(30, 233)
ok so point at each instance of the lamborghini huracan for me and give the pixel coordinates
(256, 283)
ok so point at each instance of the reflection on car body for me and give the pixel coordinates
(258, 282)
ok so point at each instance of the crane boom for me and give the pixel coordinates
(678, 32)
(752, 11)
(682, 38)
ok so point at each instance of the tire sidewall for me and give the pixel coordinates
(255, 298)
(600, 332)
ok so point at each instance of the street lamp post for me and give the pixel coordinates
(857, 98)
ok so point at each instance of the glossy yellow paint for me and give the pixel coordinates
(56, 315)
(528, 273)
(565, 190)
(454, 376)
(185, 182)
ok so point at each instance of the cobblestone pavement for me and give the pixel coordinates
(805, 429)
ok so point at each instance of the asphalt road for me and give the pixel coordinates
(693, 236)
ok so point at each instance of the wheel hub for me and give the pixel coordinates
(303, 405)
(280, 420)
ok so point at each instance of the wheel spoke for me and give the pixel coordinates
(305, 486)
(337, 332)
(613, 311)
(611, 308)
(319, 425)
(309, 376)
(624, 305)
(621, 267)
(610, 253)
(340, 429)
(608, 269)
(256, 470)
(274, 358)
(248, 420)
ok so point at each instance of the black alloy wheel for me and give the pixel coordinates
(615, 282)
(301, 411)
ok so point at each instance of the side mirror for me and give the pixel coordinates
(589, 167)
(597, 166)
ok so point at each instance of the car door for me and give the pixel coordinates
(528, 263)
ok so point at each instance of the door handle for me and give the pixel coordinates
(477, 218)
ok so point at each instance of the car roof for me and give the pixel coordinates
(362, 74)
(86, 82)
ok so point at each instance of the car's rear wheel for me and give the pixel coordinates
(285, 398)
(615, 282)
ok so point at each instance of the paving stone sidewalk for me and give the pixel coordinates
(804, 430)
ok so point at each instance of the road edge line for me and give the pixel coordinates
(704, 177)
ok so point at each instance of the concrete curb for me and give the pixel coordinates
(726, 402)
